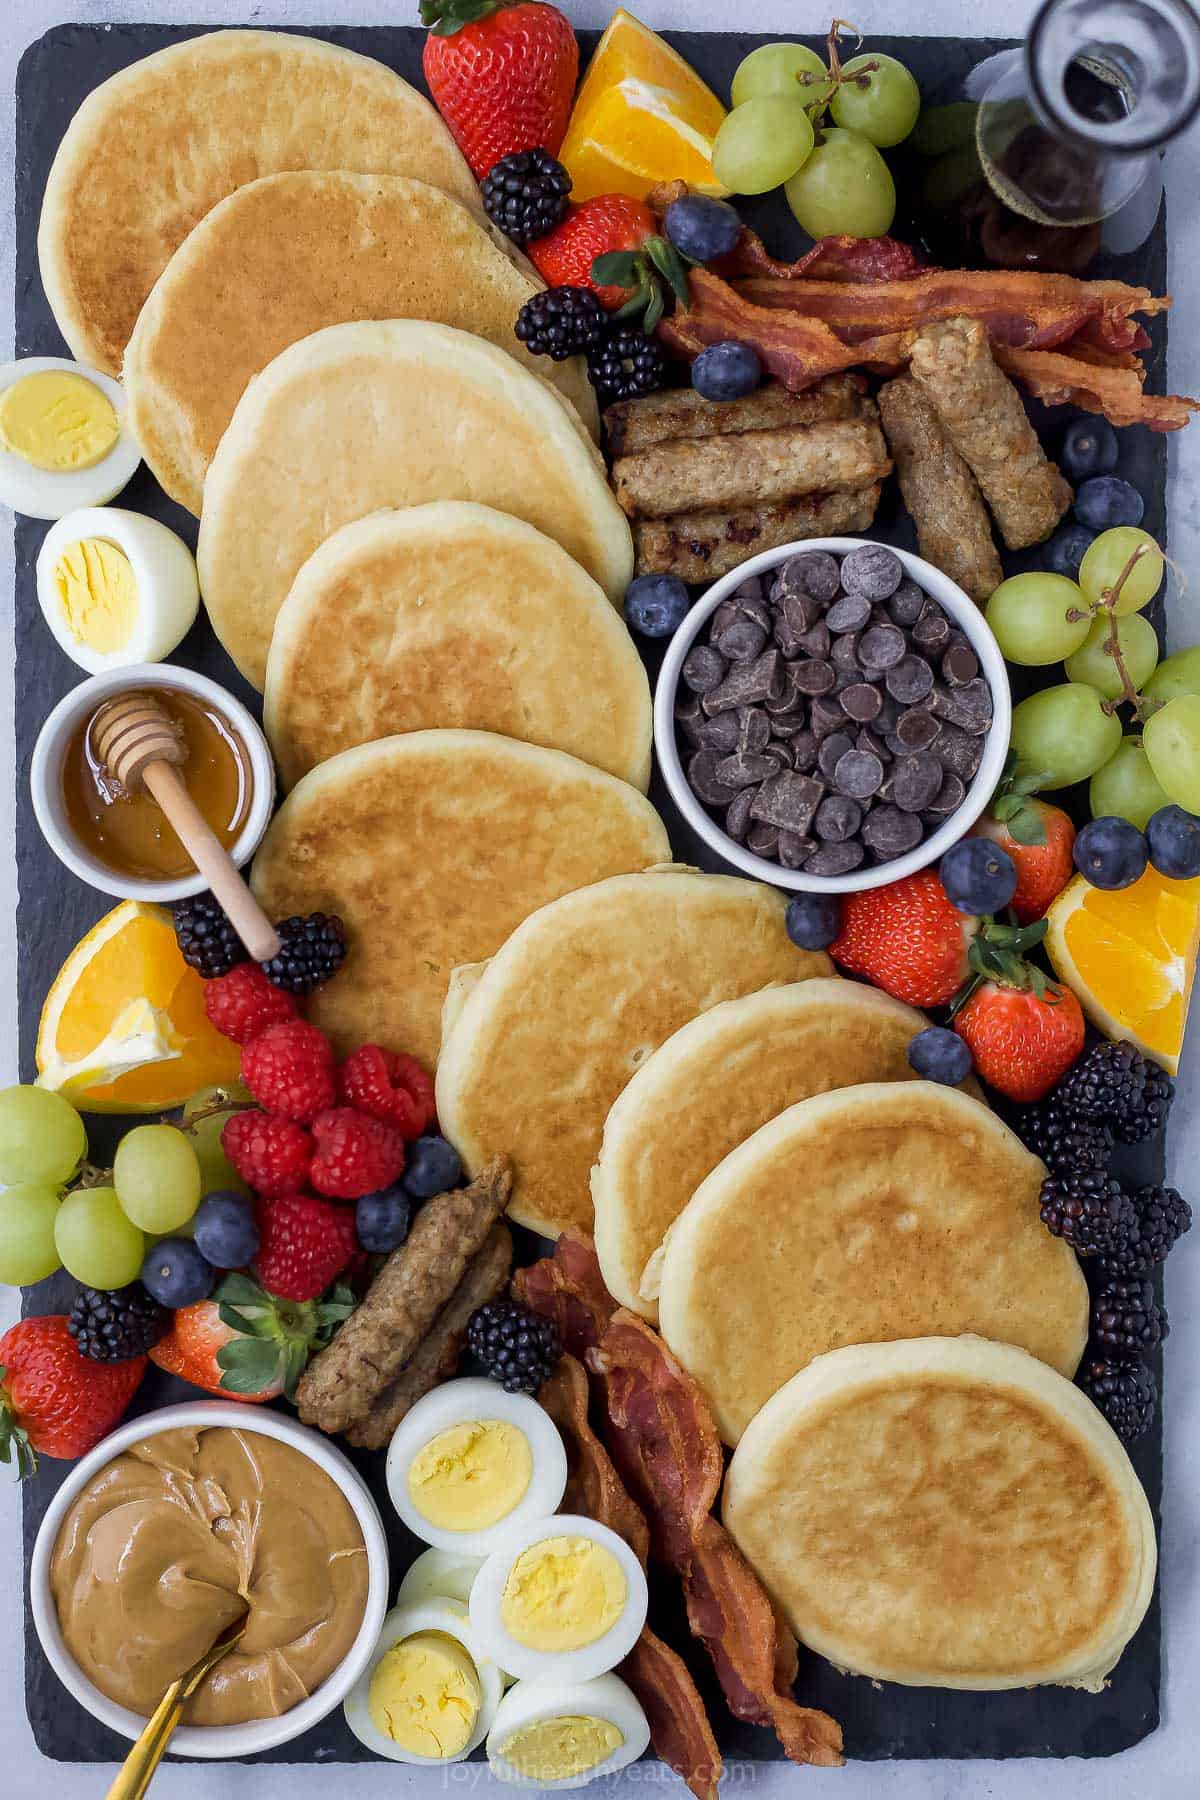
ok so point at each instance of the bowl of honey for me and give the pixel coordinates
(122, 842)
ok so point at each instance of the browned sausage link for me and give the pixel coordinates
(701, 546)
(940, 492)
(634, 425)
(750, 467)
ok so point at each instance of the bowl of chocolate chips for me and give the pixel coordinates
(832, 715)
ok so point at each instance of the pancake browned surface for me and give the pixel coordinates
(453, 615)
(353, 247)
(433, 847)
(158, 144)
(538, 1044)
(884, 1211)
(945, 1512)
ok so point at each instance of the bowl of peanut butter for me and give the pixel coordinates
(177, 1524)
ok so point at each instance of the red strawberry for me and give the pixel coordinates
(502, 77)
(609, 222)
(355, 1154)
(53, 1401)
(244, 1002)
(1039, 838)
(244, 1345)
(272, 1155)
(907, 939)
(289, 1070)
(1022, 1038)
(304, 1244)
(385, 1086)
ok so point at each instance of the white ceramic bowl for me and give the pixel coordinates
(45, 775)
(216, 1741)
(965, 614)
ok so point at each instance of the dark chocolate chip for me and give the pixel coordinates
(721, 733)
(737, 815)
(754, 728)
(742, 641)
(814, 571)
(916, 780)
(811, 677)
(850, 613)
(844, 653)
(932, 629)
(861, 702)
(749, 589)
(797, 614)
(833, 747)
(889, 832)
(747, 683)
(959, 751)
(910, 680)
(763, 840)
(959, 664)
(687, 707)
(837, 818)
(889, 713)
(873, 570)
(703, 668)
(867, 740)
(916, 728)
(804, 748)
(974, 702)
(726, 615)
(751, 606)
(779, 754)
(745, 769)
(858, 774)
(835, 859)
(881, 647)
(788, 801)
(704, 781)
(794, 850)
(906, 603)
(949, 796)
(817, 641)
(826, 715)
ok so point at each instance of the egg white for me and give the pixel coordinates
(441, 1575)
(461, 1403)
(404, 1621)
(43, 494)
(604, 1697)
(164, 574)
(557, 1665)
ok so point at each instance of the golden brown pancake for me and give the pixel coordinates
(884, 1211)
(432, 847)
(945, 1512)
(154, 147)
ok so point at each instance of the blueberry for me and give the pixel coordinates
(656, 605)
(726, 371)
(939, 1055)
(381, 1219)
(176, 1273)
(1110, 852)
(978, 876)
(813, 920)
(433, 1166)
(1105, 501)
(1174, 839)
(225, 1230)
(702, 229)
(1089, 447)
(1067, 549)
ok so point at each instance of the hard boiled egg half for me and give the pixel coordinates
(562, 1599)
(470, 1463)
(64, 437)
(429, 1693)
(116, 588)
(440, 1574)
(551, 1734)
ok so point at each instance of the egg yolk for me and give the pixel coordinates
(552, 1749)
(563, 1593)
(58, 421)
(97, 594)
(472, 1475)
(425, 1695)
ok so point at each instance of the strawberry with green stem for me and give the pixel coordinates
(1038, 836)
(1023, 1030)
(53, 1401)
(245, 1344)
(502, 76)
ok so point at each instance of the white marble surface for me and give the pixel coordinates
(1163, 1768)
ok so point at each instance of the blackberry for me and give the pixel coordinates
(1125, 1392)
(561, 322)
(625, 365)
(1163, 1215)
(1127, 1319)
(526, 194)
(1089, 1209)
(1116, 1084)
(517, 1348)
(312, 949)
(206, 938)
(114, 1326)
(1062, 1140)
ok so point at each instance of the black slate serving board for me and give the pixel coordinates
(881, 1722)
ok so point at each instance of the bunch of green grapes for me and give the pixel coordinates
(42, 1144)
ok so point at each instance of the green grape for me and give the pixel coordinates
(97, 1243)
(1107, 555)
(1125, 786)
(1064, 734)
(1172, 740)
(216, 1171)
(1028, 614)
(27, 1251)
(157, 1177)
(42, 1137)
(883, 103)
(1137, 641)
(761, 143)
(1178, 674)
(845, 186)
(777, 69)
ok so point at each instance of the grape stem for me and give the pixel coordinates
(226, 1105)
(1141, 707)
(836, 78)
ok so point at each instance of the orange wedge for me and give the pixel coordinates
(642, 116)
(1130, 957)
(123, 1028)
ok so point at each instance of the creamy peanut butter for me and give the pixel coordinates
(166, 1545)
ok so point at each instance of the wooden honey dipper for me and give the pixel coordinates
(135, 742)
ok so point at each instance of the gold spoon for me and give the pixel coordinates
(137, 1771)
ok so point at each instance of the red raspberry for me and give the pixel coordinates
(304, 1244)
(271, 1155)
(355, 1154)
(289, 1070)
(385, 1086)
(243, 1003)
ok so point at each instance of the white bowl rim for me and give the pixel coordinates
(215, 1741)
(85, 696)
(966, 615)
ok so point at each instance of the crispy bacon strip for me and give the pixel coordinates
(568, 1288)
(593, 1486)
(830, 259)
(1060, 380)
